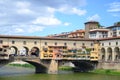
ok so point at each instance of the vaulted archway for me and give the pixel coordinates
(35, 51)
(117, 53)
(13, 50)
(23, 51)
(102, 54)
(109, 53)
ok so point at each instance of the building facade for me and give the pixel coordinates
(98, 33)
(106, 52)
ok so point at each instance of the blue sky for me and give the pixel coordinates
(45, 17)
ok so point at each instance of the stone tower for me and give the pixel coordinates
(90, 25)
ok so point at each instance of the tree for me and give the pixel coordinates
(88, 50)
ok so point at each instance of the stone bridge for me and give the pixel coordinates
(51, 65)
(50, 53)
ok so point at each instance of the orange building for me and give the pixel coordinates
(77, 34)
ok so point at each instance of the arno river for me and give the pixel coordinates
(18, 73)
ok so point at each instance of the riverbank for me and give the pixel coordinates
(106, 71)
(96, 71)
(68, 68)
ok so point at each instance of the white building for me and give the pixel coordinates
(114, 30)
(98, 33)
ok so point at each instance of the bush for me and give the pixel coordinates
(108, 71)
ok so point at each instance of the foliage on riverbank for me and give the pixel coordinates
(106, 71)
(22, 65)
(66, 68)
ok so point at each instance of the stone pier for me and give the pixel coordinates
(53, 67)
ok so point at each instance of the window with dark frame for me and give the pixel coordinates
(55, 43)
(13, 42)
(74, 44)
(24, 42)
(116, 43)
(1, 41)
(83, 44)
(45, 43)
(109, 43)
(102, 44)
(65, 44)
(35, 42)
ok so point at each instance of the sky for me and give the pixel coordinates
(46, 17)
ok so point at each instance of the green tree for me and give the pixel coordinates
(88, 50)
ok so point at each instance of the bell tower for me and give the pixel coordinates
(89, 26)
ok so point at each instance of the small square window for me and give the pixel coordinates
(55, 43)
(91, 44)
(102, 44)
(1, 41)
(83, 44)
(45, 43)
(24, 42)
(13, 42)
(109, 43)
(65, 44)
(116, 43)
(35, 42)
(74, 44)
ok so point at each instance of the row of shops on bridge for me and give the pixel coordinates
(51, 52)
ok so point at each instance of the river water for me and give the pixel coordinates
(18, 73)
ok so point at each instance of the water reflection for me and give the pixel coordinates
(13, 73)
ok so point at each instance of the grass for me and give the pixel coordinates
(106, 71)
(66, 68)
(23, 65)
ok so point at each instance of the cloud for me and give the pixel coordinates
(30, 16)
(22, 4)
(95, 17)
(20, 29)
(47, 21)
(78, 11)
(66, 24)
(70, 10)
(114, 7)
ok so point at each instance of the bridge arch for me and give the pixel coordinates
(13, 50)
(39, 67)
(35, 51)
(109, 53)
(27, 50)
(23, 51)
(117, 53)
(102, 53)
